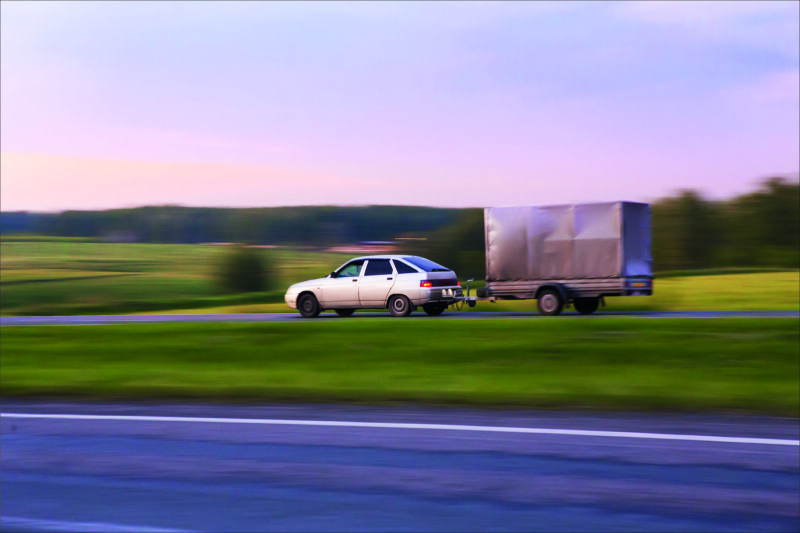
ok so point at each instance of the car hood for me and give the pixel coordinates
(308, 283)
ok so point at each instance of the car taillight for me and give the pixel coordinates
(425, 284)
(458, 283)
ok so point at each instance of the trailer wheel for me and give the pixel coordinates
(550, 302)
(586, 306)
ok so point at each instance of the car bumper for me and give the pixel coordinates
(291, 300)
(445, 295)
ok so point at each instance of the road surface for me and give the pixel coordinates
(169, 467)
(294, 317)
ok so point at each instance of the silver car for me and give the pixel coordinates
(400, 283)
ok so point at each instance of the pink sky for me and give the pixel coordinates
(120, 104)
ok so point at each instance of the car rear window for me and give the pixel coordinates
(403, 268)
(425, 264)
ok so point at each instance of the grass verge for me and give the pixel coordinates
(66, 276)
(736, 364)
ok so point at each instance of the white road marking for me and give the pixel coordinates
(401, 425)
(38, 524)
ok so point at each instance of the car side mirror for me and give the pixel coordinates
(332, 275)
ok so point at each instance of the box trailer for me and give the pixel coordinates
(567, 254)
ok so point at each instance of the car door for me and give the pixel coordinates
(376, 282)
(341, 289)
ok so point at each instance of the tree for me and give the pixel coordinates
(245, 269)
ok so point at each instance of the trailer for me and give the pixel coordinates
(567, 255)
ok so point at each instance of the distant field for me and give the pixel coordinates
(66, 276)
(720, 292)
(729, 292)
(730, 364)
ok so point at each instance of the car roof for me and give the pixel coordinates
(384, 256)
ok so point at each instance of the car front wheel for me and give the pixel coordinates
(308, 306)
(400, 306)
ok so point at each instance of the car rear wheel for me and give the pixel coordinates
(550, 302)
(344, 312)
(434, 309)
(400, 306)
(308, 306)
(586, 306)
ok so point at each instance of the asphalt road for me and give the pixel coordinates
(294, 317)
(166, 467)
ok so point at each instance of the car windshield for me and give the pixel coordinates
(350, 270)
(425, 264)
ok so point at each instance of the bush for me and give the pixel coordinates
(245, 269)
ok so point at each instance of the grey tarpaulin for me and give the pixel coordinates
(602, 240)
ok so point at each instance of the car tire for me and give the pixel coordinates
(434, 309)
(344, 312)
(308, 306)
(550, 302)
(586, 306)
(400, 305)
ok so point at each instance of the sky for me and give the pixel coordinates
(122, 104)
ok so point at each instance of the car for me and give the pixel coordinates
(400, 283)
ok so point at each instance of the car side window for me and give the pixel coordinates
(379, 267)
(350, 270)
(403, 268)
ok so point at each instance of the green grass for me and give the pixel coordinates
(720, 292)
(735, 364)
(718, 271)
(64, 276)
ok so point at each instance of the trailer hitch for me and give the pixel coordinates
(471, 300)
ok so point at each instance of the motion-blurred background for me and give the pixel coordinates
(741, 253)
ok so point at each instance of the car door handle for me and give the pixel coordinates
(355, 280)
(390, 278)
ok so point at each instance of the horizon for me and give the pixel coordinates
(793, 180)
(453, 105)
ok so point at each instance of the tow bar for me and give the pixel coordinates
(470, 300)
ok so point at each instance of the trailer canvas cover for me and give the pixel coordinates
(602, 240)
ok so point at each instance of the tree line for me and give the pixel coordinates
(307, 225)
(758, 229)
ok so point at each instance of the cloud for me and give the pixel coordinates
(48, 183)
(700, 11)
(778, 88)
(770, 25)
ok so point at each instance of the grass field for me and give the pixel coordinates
(722, 292)
(65, 276)
(735, 364)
